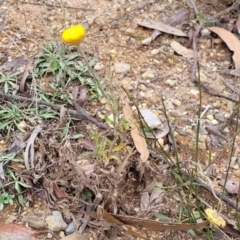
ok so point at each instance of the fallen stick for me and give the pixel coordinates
(81, 113)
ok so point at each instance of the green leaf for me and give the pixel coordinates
(161, 216)
(24, 184)
(76, 136)
(192, 233)
(21, 200)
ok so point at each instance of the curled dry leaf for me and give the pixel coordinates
(181, 50)
(139, 140)
(232, 42)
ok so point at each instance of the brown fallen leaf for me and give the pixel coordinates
(232, 42)
(181, 50)
(59, 192)
(138, 139)
(174, 20)
(162, 27)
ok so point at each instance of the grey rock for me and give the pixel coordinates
(70, 228)
(122, 67)
(171, 83)
(149, 74)
(176, 113)
(151, 119)
(55, 222)
(219, 116)
(98, 66)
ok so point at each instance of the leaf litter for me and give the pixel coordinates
(70, 181)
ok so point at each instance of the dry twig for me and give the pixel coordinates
(80, 113)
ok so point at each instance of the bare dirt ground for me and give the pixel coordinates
(156, 71)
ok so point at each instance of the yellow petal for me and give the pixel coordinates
(215, 218)
(74, 35)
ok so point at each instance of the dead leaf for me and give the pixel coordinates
(62, 118)
(59, 192)
(181, 50)
(86, 166)
(27, 71)
(149, 224)
(162, 27)
(232, 42)
(29, 150)
(144, 202)
(88, 144)
(139, 140)
(174, 20)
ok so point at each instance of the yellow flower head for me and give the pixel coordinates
(74, 35)
(215, 218)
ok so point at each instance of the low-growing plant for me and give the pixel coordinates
(18, 185)
(10, 117)
(63, 64)
(9, 82)
(5, 199)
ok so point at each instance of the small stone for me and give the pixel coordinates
(214, 122)
(205, 32)
(110, 120)
(203, 131)
(49, 235)
(113, 53)
(219, 117)
(61, 235)
(160, 143)
(176, 113)
(171, 83)
(98, 66)
(155, 51)
(202, 138)
(147, 41)
(55, 222)
(194, 92)
(149, 74)
(103, 100)
(70, 228)
(210, 117)
(122, 67)
(169, 105)
(177, 102)
(151, 119)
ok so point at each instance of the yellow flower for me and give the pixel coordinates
(215, 218)
(74, 35)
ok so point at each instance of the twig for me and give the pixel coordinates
(211, 92)
(81, 113)
(195, 56)
(235, 5)
(200, 182)
(58, 6)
